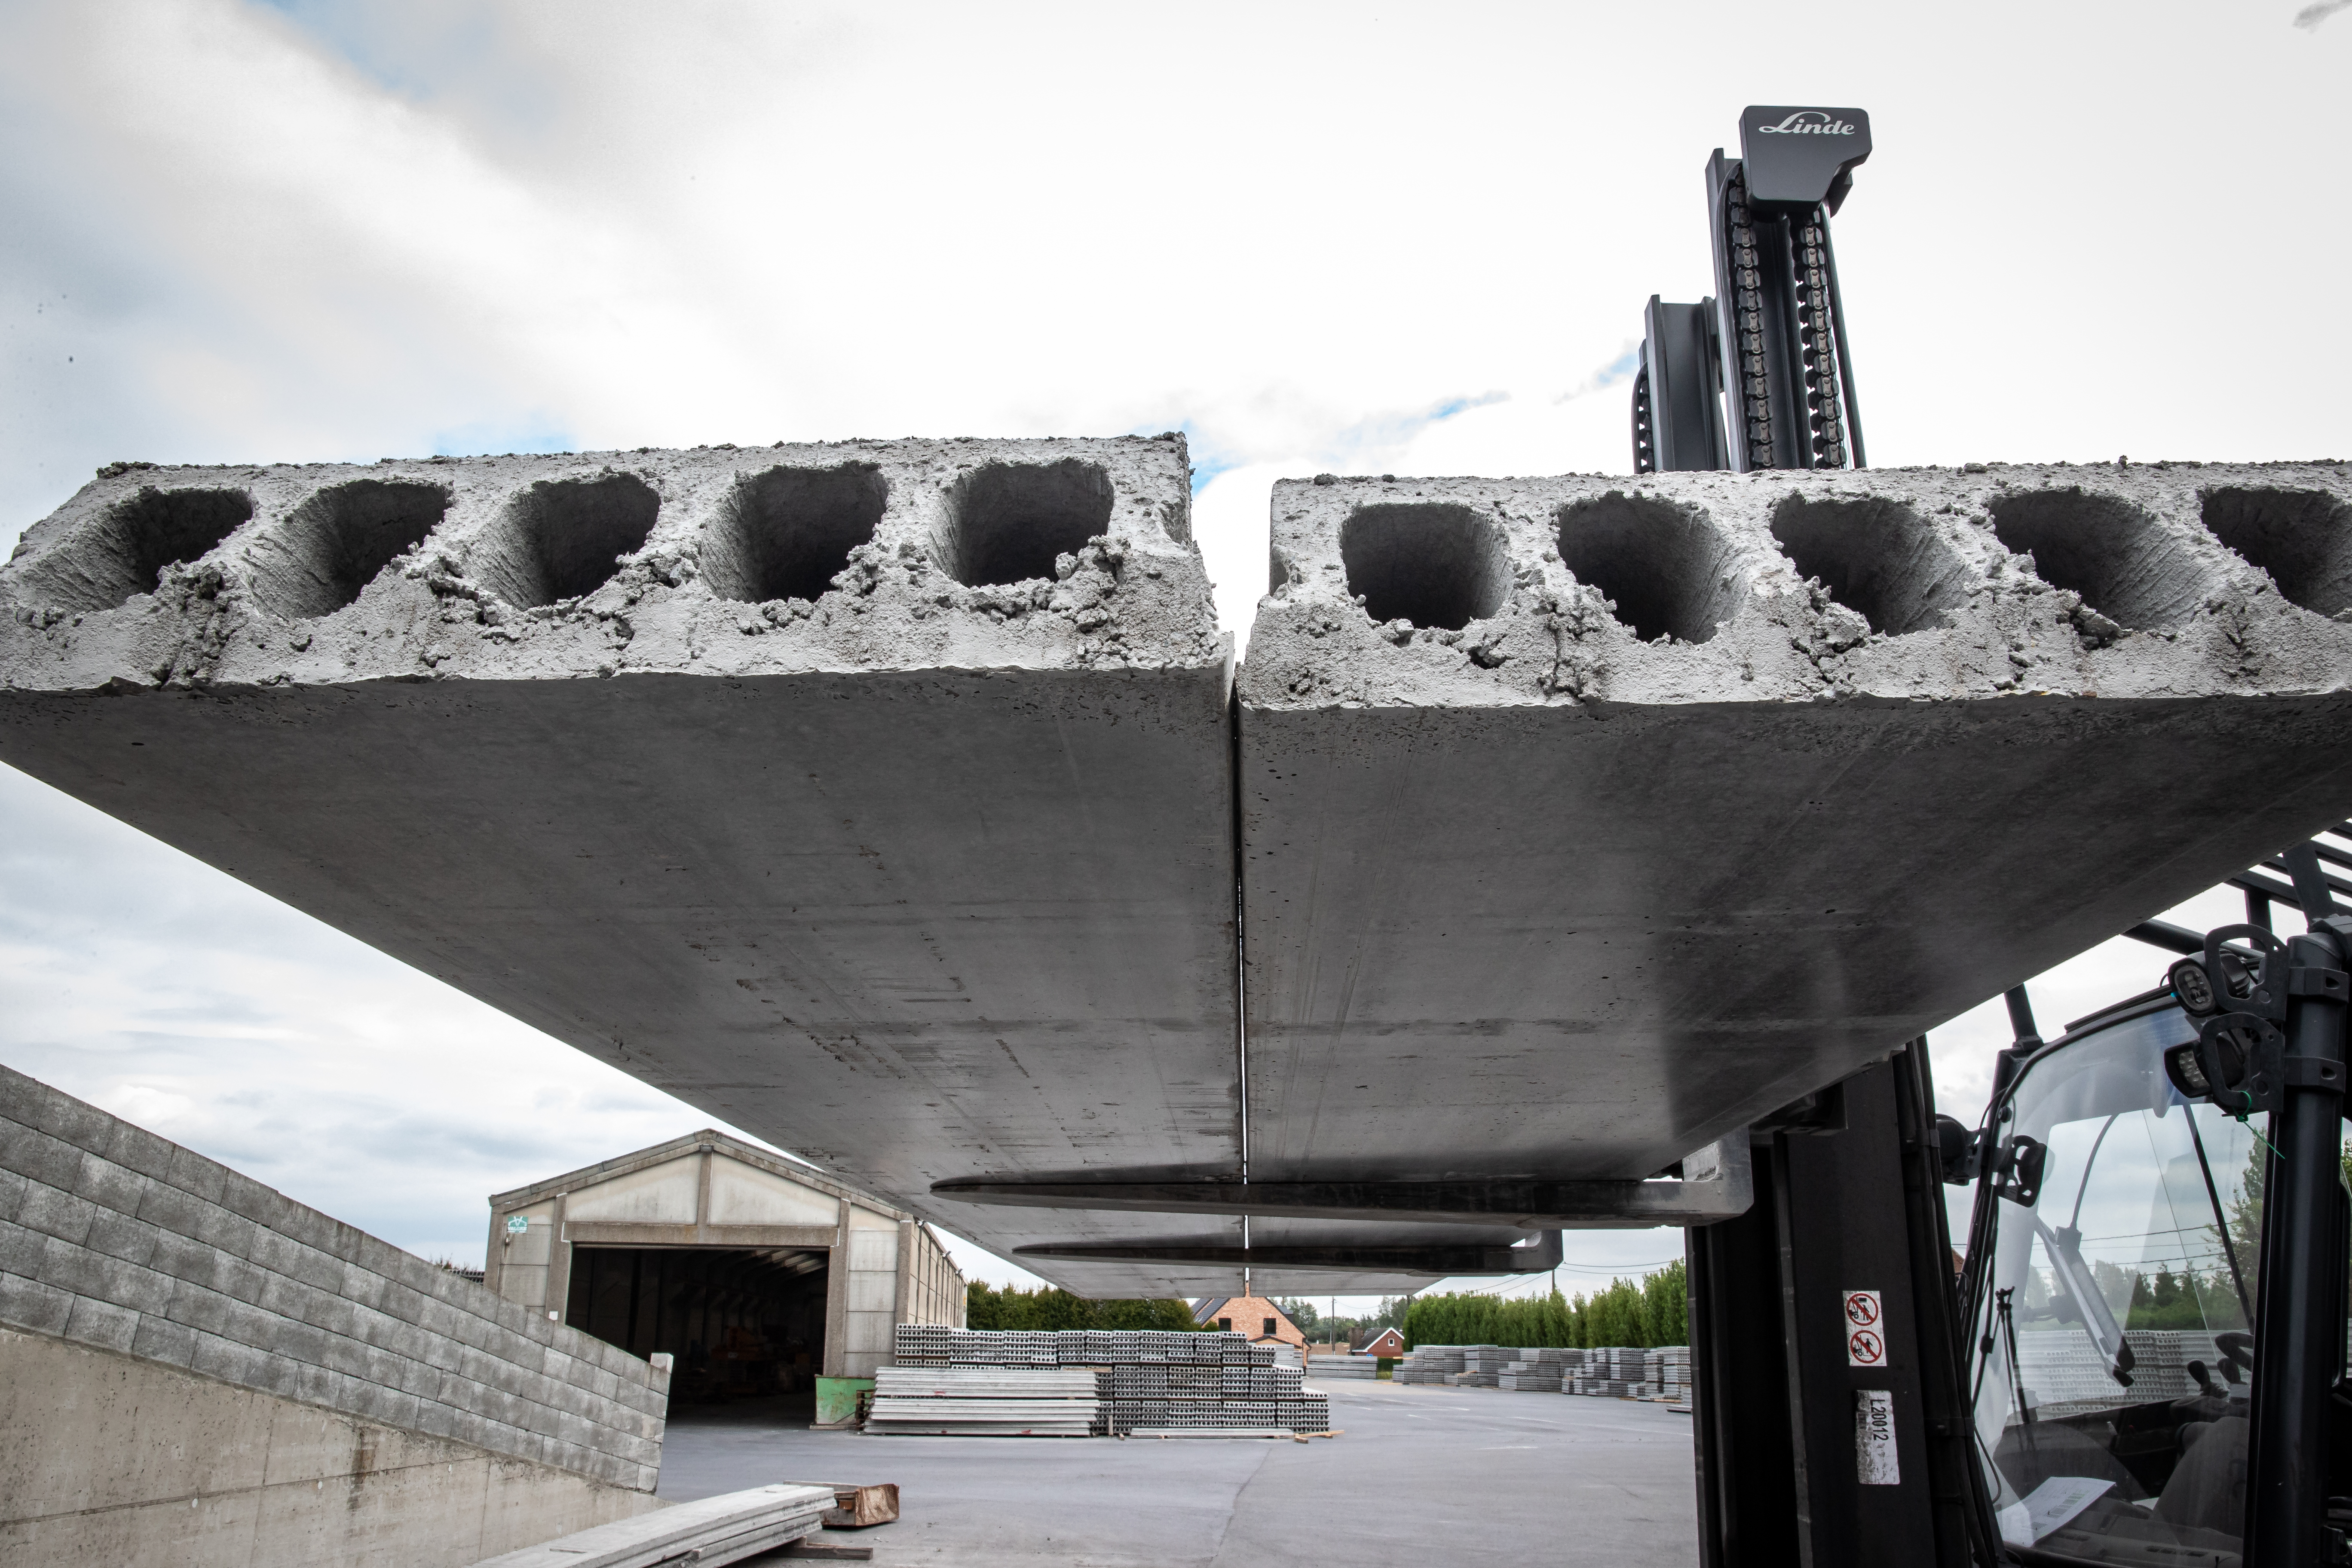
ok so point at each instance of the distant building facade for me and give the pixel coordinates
(755, 1272)
(1379, 1341)
(1255, 1316)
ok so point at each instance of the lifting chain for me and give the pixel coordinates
(1748, 324)
(1645, 445)
(1817, 340)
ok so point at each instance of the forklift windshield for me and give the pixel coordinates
(2115, 1296)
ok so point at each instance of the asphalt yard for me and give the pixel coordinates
(1421, 1476)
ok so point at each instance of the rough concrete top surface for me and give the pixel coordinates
(2161, 580)
(1587, 819)
(855, 556)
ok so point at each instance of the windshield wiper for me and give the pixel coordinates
(2065, 1247)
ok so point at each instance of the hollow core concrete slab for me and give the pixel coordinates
(874, 797)
(1586, 820)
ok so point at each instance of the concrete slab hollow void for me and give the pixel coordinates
(881, 798)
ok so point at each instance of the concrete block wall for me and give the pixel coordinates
(121, 1241)
(107, 1458)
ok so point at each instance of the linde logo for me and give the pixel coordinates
(1808, 122)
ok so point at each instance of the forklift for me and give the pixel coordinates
(2138, 1354)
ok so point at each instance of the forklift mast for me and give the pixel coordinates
(1840, 1345)
(1758, 377)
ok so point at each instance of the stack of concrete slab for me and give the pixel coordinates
(1667, 1371)
(1482, 1365)
(1430, 1364)
(984, 1402)
(1615, 1372)
(1534, 1368)
(709, 1530)
(1348, 1368)
(1143, 1382)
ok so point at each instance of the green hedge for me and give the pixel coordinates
(1650, 1311)
(1012, 1308)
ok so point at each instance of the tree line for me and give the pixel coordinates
(986, 1307)
(1650, 1311)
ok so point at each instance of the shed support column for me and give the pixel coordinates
(494, 1257)
(902, 1300)
(558, 1265)
(836, 1299)
(702, 1197)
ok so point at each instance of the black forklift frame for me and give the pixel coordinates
(1759, 374)
(1776, 1397)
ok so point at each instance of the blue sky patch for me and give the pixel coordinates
(489, 437)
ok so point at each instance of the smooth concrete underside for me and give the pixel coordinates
(909, 928)
(1538, 943)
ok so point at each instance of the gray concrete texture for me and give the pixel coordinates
(117, 1240)
(876, 798)
(1587, 820)
(879, 797)
(1418, 1476)
(134, 1463)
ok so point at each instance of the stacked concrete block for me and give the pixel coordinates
(1430, 1364)
(1141, 1381)
(1613, 1372)
(874, 796)
(1588, 819)
(120, 1242)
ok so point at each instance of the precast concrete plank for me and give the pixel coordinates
(875, 797)
(1586, 820)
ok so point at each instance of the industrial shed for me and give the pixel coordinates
(757, 1274)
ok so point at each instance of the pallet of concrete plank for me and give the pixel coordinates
(1355, 1368)
(1430, 1364)
(708, 1531)
(983, 1401)
(1126, 1378)
(1536, 1370)
(1667, 1371)
(922, 1345)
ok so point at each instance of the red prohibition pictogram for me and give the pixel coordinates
(1864, 1348)
(1862, 1307)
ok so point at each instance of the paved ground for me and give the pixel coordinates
(1422, 1476)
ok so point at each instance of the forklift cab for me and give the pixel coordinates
(2113, 1295)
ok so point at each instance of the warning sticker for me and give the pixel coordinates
(1875, 1464)
(1865, 1342)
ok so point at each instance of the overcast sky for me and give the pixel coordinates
(1383, 237)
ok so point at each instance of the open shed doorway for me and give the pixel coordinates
(742, 1324)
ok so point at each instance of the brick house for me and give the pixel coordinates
(1255, 1316)
(1385, 1341)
